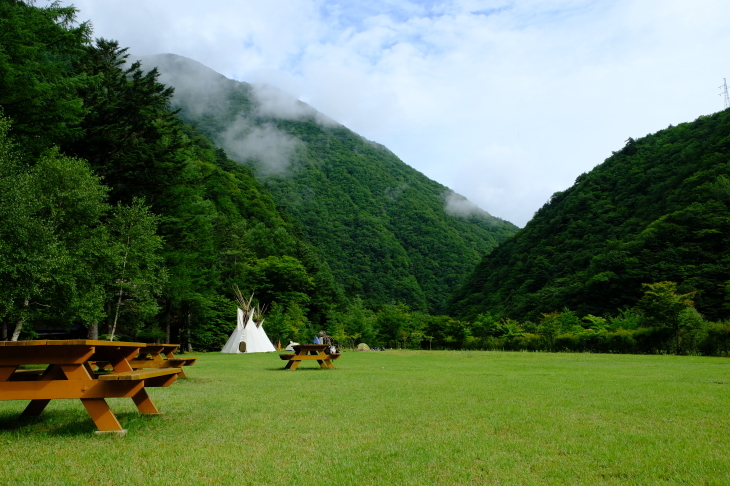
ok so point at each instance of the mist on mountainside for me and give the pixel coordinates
(389, 233)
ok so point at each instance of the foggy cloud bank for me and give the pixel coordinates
(205, 92)
(197, 86)
(270, 147)
(275, 103)
(458, 205)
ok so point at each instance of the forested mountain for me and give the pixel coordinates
(658, 210)
(388, 233)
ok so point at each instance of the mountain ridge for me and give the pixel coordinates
(656, 210)
(382, 225)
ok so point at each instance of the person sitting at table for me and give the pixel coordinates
(325, 339)
(317, 340)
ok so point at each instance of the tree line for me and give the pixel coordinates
(663, 321)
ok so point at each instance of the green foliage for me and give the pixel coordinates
(658, 210)
(661, 305)
(38, 83)
(184, 223)
(137, 273)
(289, 323)
(51, 238)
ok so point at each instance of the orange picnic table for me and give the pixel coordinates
(304, 352)
(68, 374)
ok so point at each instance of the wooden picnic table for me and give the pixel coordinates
(69, 375)
(156, 356)
(303, 352)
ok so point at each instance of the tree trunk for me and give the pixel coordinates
(121, 290)
(167, 323)
(93, 333)
(116, 315)
(109, 318)
(188, 346)
(19, 324)
(4, 330)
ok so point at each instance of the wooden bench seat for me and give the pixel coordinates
(318, 357)
(177, 362)
(139, 374)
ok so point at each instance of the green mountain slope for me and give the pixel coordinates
(389, 233)
(658, 210)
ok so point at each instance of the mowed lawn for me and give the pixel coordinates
(396, 418)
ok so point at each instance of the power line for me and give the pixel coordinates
(725, 98)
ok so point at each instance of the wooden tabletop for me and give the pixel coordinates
(73, 342)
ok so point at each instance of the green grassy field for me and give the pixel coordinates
(409, 417)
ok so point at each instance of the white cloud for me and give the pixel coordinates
(273, 102)
(448, 85)
(273, 149)
(457, 205)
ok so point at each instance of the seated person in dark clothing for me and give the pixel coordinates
(325, 339)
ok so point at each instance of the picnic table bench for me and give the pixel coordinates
(305, 352)
(151, 356)
(69, 374)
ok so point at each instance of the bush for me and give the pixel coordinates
(717, 339)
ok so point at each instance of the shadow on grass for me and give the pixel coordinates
(13, 421)
(301, 369)
(48, 424)
(59, 424)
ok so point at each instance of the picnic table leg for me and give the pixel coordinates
(36, 407)
(121, 363)
(325, 363)
(102, 415)
(293, 364)
(7, 371)
(144, 403)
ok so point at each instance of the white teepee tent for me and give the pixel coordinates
(247, 331)
(256, 339)
(238, 335)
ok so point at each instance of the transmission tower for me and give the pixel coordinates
(725, 98)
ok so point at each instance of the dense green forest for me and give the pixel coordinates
(118, 217)
(381, 225)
